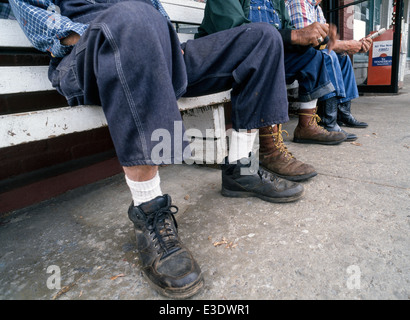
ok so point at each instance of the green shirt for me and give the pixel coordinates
(226, 14)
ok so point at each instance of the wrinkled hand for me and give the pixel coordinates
(349, 46)
(366, 44)
(71, 39)
(309, 35)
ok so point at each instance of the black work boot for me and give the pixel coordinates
(167, 264)
(345, 117)
(327, 111)
(241, 180)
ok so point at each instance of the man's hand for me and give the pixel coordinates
(71, 40)
(366, 44)
(310, 35)
(348, 46)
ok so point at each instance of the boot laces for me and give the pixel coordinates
(278, 141)
(315, 119)
(165, 235)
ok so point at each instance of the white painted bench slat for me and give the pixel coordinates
(11, 35)
(24, 79)
(44, 124)
(25, 127)
(184, 11)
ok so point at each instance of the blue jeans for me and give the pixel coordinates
(308, 67)
(341, 74)
(129, 61)
(304, 64)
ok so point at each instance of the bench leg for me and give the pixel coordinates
(205, 127)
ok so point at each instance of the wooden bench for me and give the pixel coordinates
(36, 124)
(203, 113)
(34, 119)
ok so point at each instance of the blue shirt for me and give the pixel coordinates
(44, 26)
(5, 11)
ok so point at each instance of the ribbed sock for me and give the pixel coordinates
(241, 143)
(306, 105)
(143, 191)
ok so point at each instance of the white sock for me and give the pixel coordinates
(143, 191)
(306, 105)
(240, 144)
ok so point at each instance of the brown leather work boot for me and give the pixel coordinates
(275, 157)
(308, 131)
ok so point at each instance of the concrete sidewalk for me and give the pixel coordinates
(349, 238)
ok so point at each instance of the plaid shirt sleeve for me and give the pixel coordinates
(304, 12)
(320, 16)
(5, 11)
(157, 5)
(44, 26)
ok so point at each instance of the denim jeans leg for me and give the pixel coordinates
(349, 78)
(130, 61)
(247, 59)
(309, 68)
(335, 74)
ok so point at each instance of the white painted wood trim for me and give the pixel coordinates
(184, 37)
(24, 79)
(205, 127)
(38, 125)
(35, 78)
(184, 3)
(202, 101)
(184, 11)
(33, 126)
(220, 132)
(11, 35)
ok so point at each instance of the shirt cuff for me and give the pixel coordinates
(58, 50)
(286, 36)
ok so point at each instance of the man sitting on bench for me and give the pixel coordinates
(302, 62)
(339, 66)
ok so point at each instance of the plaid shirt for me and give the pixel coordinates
(5, 11)
(304, 12)
(44, 26)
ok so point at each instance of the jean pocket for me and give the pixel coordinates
(67, 83)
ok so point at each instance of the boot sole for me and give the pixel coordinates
(351, 139)
(328, 143)
(299, 178)
(351, 126)
(244, 194)
(180, 293)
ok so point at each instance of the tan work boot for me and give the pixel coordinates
(308, 131)
(275, 157)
